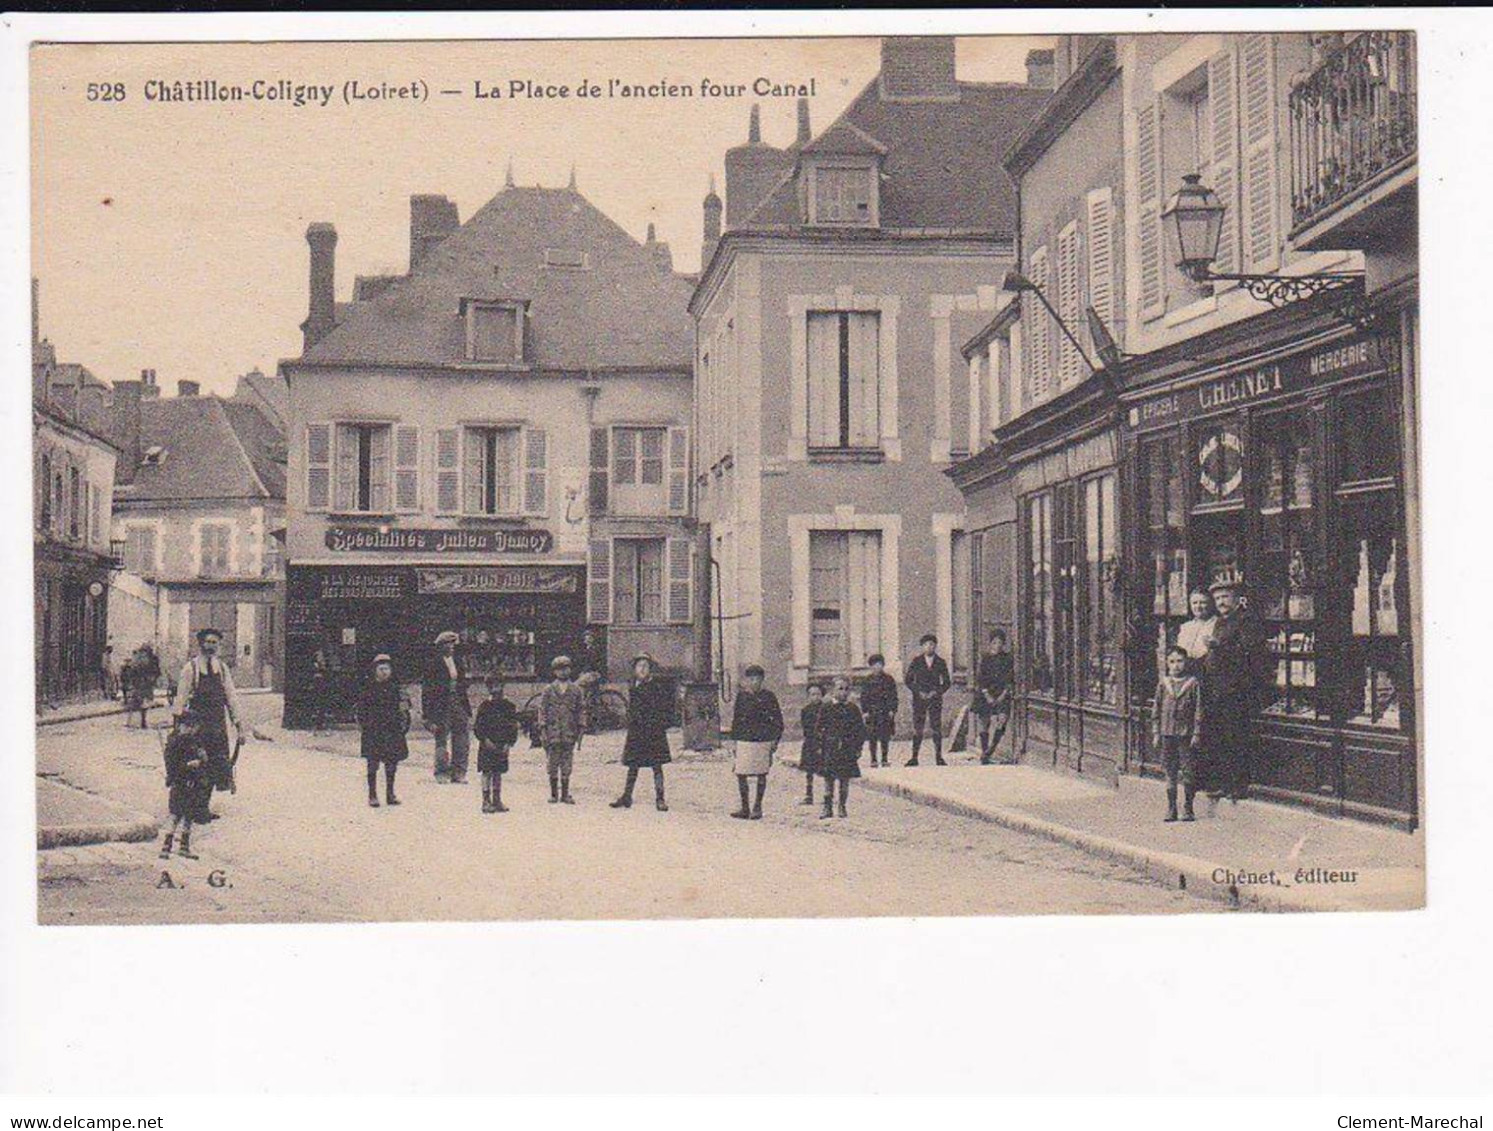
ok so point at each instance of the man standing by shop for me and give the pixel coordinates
(205, 687)
(447, 711)
(995, 678)
(927, 678)
(1231, 690)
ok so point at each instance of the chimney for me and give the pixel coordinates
(663, 258)
(712, 225)
(752, 171)
(149, 389)
(805, 134)
(126, 425)
(1040, 69)
(321, 315)
(186, 388)
(918, 69)
(432, 219)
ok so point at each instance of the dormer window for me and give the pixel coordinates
(495, 331)
(153, 456)
(843, 194)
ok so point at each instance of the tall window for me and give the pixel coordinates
(844, 598)
(1287, 574)
(1163, 584)
(45, 517)
(494, 332)
(844, 380)
(363, 467)
(140, 550)
(1039, 603)
(1101, 569)
(74, 503)
(638, 470)
(492, 471)
(638, 581)
(213, 539)
(842, 196)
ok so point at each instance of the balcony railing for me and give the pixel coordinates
(1352, 120)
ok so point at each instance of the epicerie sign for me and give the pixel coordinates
(351, 539)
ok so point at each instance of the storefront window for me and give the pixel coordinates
(1101, 570)
(1164, 542)
(1220, 463)
(1038, 649)
(1368, 437)
(1370, 551)
(1285, 580)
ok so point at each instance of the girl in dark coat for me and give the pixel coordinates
(384, 718)
(842, 733)
(879, 704)
(496, 730)
(808, 757)
(650, 710)
(756, 730)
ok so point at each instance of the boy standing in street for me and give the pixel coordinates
(562, 711)
(1178, 712)
(928, 678)
(496, 730)
(879, 702)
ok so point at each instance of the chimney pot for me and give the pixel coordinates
(1040, 68)
(754, 126)
(186, 388)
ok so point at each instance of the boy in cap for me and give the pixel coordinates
(562, 717)
(927, 678)
(879, 702)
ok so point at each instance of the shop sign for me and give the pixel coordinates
(498, 579)
(362, 585)
(1338, 362)
(401, 540)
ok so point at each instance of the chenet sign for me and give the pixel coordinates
(350, 539)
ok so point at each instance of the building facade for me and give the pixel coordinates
(829, 392)
(199, 521)
(495, 443)
(73, 477)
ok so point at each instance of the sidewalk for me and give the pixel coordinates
(1274, 856)
(67, 816)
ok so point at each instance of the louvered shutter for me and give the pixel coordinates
(472, 468)
(678, 470)
(1040, 321)
(1261, 185)
(1069, 364)
(864, 340)
(599, 582)
(1101, 266)
(681, 580)
(406, 468)
(1223, 110)
(536, 472)
(1148, 173)
(318, 467)
(601, 471)
(448, 470)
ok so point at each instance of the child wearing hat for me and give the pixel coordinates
(188, 783)
(1177, 712)
(879, 702)
(562, 717)
(756, 729)
(384, 720)
(496, 728)
(842, 733)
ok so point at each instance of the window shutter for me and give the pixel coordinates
(1261, 184)
(347, 468)
(1101, 225)
(1148, 174)
(1223, 109)
(599, 582)
(678, 470)
(536, 472)
(681, 581)
(378, 469)
(406, 468)
(865, 378)
(448, 470)
(1041, 323)
(318, 467)
(471, 473)
(601, 471)
(824, 379)
(1069, 365)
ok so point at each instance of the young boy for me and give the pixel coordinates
(928, 679)
(879, 702)
(496, 728)
(808, 758)
(842, 733)
(562, 712)
(1178, 714)
(190, 787)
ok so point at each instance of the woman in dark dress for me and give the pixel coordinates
(384, 718)
(842, 733)
(650, 710)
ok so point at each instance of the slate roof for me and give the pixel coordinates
(212, 449)
(621, 311)
(940, 166)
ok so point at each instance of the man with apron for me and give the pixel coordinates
(205, 686)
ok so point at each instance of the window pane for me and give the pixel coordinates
(1039, 596)
(651, 581)
(651, 459)
(625, 581)
(1371, 551)
(1220, 464)
(1367, 435)
(625, 456)
(494, 333)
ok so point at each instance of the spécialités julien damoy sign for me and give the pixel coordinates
(349, 539)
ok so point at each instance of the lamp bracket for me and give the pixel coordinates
(1344, 287)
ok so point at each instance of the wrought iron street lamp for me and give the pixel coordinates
(1193, 221)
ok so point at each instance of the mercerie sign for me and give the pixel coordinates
(1345, 360)
(349, 539)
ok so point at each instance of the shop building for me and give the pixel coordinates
(829, 392)
(73, 476)
(496, 442)
(199, 520)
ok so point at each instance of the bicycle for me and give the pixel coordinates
(606, 709)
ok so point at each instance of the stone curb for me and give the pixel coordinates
(73, 836)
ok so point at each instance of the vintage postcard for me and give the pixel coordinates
(713, 478)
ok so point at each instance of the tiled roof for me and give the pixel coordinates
(211, 448)
(620, 310)
(941, 164)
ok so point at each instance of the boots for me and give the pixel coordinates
(808, 790)
(658, 790)
(555, 788)
(938, 753)
(185, 847)
(1171, 803)
(565, 797)
(389, 797)
(829, 803)
(166, 846)
(844, 796)
(373, 784)
(625, 801)
(761, 789)
(745, 811)
(1187, 796)
(497, 794)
